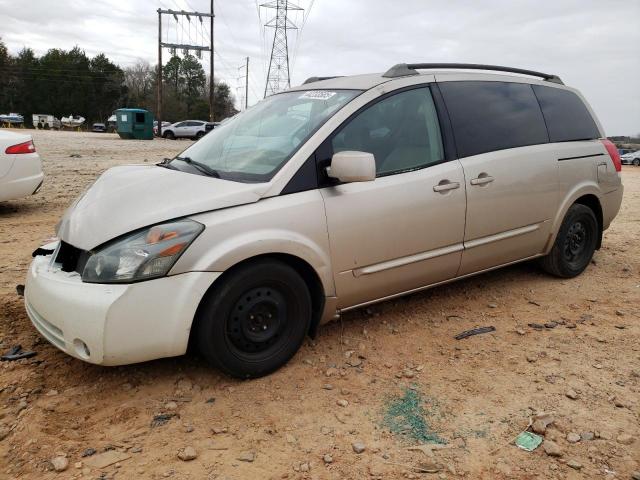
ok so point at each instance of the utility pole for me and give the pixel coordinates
(185, 48)
(211, 71)
(278, 76)
(159, 105)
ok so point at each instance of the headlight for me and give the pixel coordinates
(142, 255)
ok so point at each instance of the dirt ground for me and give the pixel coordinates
(384, 378)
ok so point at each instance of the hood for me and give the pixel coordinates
(129, 197)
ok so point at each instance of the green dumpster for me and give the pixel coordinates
(134, 123)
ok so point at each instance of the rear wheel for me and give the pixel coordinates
(636, 162)
(256, 320)
(574, 245)
(169, 135)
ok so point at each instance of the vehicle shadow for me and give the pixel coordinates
(11, 207)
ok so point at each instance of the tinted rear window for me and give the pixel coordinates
(489, 116)
(566, 115)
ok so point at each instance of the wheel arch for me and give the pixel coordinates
(301, 266)
(586, 194)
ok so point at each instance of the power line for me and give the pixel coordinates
(299, 38)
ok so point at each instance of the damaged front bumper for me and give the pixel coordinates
(113, 324)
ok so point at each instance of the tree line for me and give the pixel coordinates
(62, 83)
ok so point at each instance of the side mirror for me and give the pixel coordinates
(353, 167)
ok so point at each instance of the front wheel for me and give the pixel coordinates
(574, 246)
(169, 135)
(199, 135)
(256, 320)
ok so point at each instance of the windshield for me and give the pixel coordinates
(253, 145)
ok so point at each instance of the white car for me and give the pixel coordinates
(631, 158)
(188, 129)
(164, 126)
(20, 166)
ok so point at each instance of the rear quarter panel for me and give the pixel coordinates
(579, 177)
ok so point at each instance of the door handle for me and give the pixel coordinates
(445, 186)
(482, 179)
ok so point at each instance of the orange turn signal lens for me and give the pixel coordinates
(174, 249)
(157, 234)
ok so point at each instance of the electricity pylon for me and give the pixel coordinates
(278, 77)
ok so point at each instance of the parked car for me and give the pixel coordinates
(43, 121)
(332, 195)
(99, 128)
(631, 158)
(20, 166)
(155, 126)
(193, 129)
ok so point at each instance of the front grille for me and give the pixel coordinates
(70, 258)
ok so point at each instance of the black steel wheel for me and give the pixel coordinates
(255, 320)
(575, 243)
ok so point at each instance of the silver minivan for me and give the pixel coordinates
(329, 196)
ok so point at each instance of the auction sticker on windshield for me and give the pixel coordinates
(317, 95)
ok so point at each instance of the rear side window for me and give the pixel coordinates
(566, 115)
(489, 116)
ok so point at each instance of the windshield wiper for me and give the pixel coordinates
(206, 169)
(166, 163)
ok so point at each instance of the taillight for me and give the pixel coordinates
(26, 147)
(613, 153)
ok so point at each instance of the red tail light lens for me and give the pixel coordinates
(26, 147)
(613, 153)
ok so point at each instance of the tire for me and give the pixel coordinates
(255, 321)
(169, 135)
(636, 162)
(199, 135)
(574, 246)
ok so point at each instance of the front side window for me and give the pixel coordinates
(401, 131)
(489, 116)
(253, 145)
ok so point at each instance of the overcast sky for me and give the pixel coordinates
(593, 45)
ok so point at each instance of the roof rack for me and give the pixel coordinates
(404, 69)
(318, 79)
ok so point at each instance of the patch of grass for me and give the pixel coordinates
(405, 416)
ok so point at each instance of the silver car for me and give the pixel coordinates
(194, 129)
(332, 195)
(631, 158)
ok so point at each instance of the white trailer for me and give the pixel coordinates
(43, 121)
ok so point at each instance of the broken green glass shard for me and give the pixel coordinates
(528, 441)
